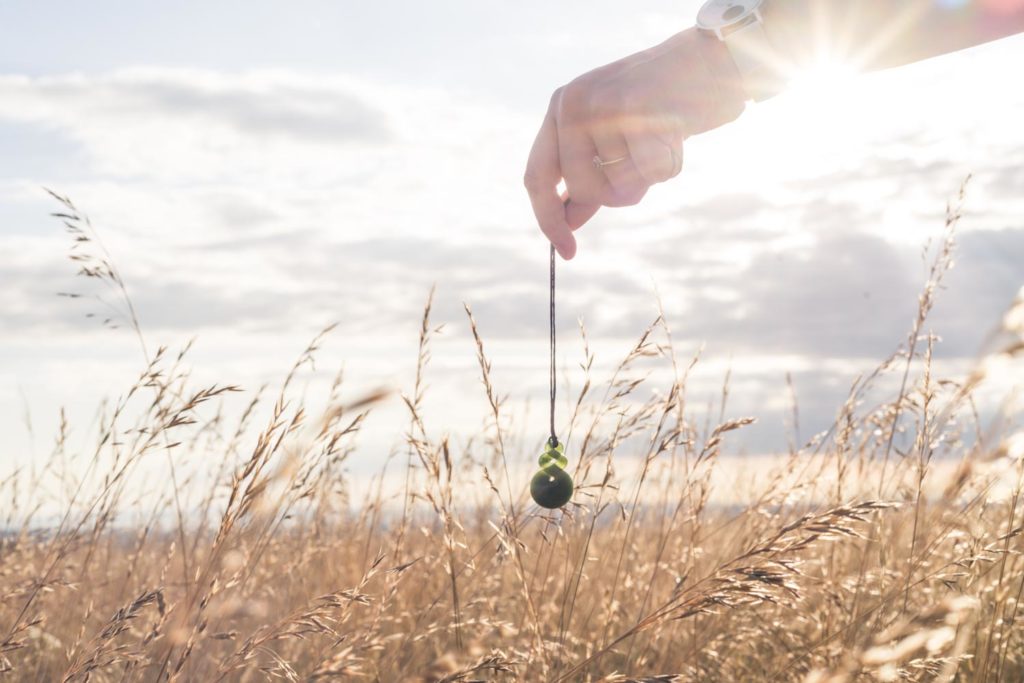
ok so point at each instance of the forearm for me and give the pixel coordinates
(612, 133)
(878, 34)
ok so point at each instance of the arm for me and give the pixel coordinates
(635, 113)
(879, 34)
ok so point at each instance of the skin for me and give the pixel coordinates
(642, 107)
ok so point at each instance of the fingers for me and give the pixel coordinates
(584, 183)
(626, 186)
(656, 158)
(543, 173)
(576, 214)
(637, 151)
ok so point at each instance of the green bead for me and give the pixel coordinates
(552, 457)
(551, 487)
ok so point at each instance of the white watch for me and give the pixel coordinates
(740, 25)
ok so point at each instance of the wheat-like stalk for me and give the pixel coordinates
(203, 535)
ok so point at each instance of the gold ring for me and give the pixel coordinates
(600, 164)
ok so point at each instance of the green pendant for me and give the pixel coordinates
(551, 487)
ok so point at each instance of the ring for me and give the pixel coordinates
(599, 163)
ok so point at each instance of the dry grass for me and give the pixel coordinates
(258, 559)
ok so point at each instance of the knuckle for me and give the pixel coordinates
(664, 167)
(656, 170)
(738, 108)
(584, 101)
(562, 107)
(568, 97)
(666, 171)
(579, 98)
(532, 182)
(556, 98)
(678, 162)
(658, 176)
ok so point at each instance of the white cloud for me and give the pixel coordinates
(254, 206)
(173, 124)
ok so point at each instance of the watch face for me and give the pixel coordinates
(718, 14)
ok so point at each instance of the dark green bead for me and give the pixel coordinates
(551, 488)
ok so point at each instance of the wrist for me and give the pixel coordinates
(713, 86)
(742, 30)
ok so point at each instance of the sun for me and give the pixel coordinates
(820, 78)
(808, 129)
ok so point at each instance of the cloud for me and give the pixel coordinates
(299, 110)
(848, 295)
(845, 296)
(840, 293)
(255, 104)
(266, 201)
(1008, 178)
(200, 124)
(989, 271)
(727, 207)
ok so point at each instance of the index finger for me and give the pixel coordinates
(543, 173)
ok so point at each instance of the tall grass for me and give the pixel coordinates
(857, 558)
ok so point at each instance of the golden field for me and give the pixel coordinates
(886, 548)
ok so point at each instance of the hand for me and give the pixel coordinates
(638, 109)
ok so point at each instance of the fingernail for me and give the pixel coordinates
(566, 249)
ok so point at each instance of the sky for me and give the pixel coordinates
(259, 172)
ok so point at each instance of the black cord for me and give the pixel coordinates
(553, 440)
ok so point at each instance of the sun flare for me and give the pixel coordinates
(821, 77)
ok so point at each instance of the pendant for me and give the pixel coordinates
(552, 487)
